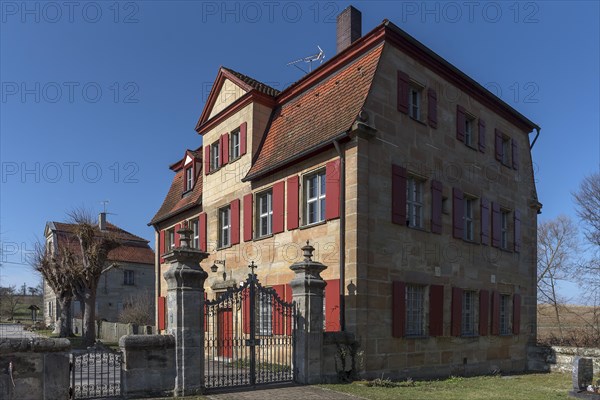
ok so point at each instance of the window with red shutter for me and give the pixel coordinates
(436, 206)
(206, 159)
(485, 221)
(481, 135)
(515, 154)
(495, 313)
(517, 232)
(516, 314)
(460, 123)
(161, 312)
(202, 233)
(224, 148)
(402, 92)
(456, 311)
(484, 309)
(458, 213)
(235, 221)
(496, 224)
(332, 189)
(243, 138)
(398, 308)
(293, 206)
(332, 306)
(432, 108)
(248, 217)
(278, 206)
(436, 310)
(398, 195)
(498, 145)
(177, 236)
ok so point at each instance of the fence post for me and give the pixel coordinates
(185, 320)
(307, 291)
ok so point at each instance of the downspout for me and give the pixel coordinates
(538, 129)
(157, 275)
(342, 154)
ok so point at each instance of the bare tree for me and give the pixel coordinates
(587, 200)
(58, 268)
(10, 300)
(94, 246)
(556, 251)
(138, 310)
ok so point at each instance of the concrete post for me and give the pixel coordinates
(185, 321)
(307, 290)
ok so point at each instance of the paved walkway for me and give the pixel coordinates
(285, 393)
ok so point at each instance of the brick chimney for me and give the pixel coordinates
(102, 221)
(349, 27)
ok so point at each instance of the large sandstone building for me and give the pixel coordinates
(413, 182)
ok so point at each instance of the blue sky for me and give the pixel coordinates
(98, 98)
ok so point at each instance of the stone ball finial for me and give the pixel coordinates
(308, 251)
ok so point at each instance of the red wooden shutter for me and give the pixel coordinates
(458, 213)
(432, 108)
(517, 233)
(161, 312)
(436, 310)
(248, 217)
(243, 138)
(481, 135)
(485, 221)
(293, 208)
(202, 232)
(516, 314)
(484, 309)
(207, 160)
(398, 195)
(289, 317)
(498, 145)
(495, 313)
(235, 221)
(246, 311)
(515, 154)
(278, 206)
(496, 224)
(224, 148)
(177, 236)
(332, 306)
(436, 206)
(278, 314)
(398, 308)
(161, 246)
(460, 123)
(332, 189)
(456, 320)
(402, 92)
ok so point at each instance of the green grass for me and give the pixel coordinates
(514, 387)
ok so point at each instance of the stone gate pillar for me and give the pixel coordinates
(307, 291)
(185, 320)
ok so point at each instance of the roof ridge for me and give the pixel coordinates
(255, 83)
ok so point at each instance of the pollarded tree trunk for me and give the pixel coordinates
(65, 320)
(89, 316)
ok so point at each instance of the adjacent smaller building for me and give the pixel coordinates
(118, 288)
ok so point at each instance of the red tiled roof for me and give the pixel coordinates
(133, 249)
(261, 87)
(175, 201)
(317, 115)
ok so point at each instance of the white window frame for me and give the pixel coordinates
(189, 178)
(318, 200)
(504, 314)
(128, 277)
(469, 224)
(504, 217)
(214, 155)
(195, 225)
(264, 199)
(415, 310)
(469, 307)
(171, 239)
(264, 315)
(234, 144)
(414, 101)
(414, 202)
(225, 226)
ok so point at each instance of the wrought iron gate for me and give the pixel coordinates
(249, 336)
(96, 373)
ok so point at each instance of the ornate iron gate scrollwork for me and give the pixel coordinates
(96, 373)
(249, 337)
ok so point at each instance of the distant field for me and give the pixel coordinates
(576, 321)
(23, 313)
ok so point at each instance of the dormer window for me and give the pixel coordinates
(189, 178)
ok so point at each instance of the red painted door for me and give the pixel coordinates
(225, 333)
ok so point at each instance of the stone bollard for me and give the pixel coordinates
(185, 320)
(307, 291)
(583, 373)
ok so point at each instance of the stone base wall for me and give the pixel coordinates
(342, 357)
(559, 358)
(34, 369)
(149, 365)
(112, 331)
